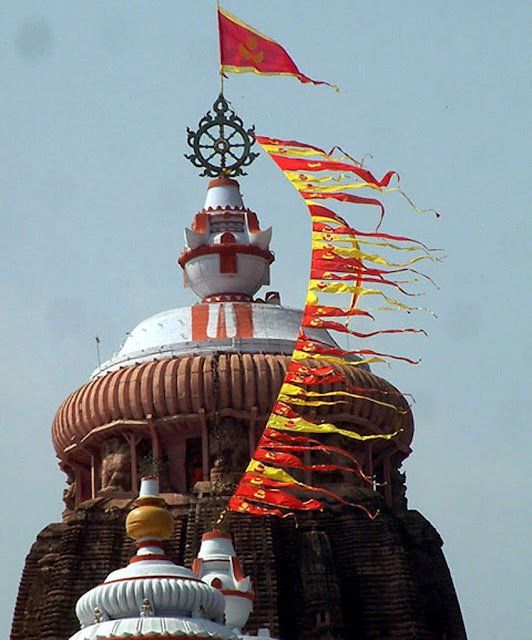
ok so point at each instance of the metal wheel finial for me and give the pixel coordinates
(221, 145)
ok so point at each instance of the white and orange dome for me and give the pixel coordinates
(246, 327)
(226, 260)
(226, 252)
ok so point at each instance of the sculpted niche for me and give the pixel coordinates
(115, 467)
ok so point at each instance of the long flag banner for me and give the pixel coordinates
(243, 49)
(349, 266)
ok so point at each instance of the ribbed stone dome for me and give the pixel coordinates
(226, 383)
(194, 386)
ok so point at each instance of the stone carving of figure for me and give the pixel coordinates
(146, 611)
(222, 481)
(69, 494)
(116, 471)
(100, 616)
(230, 447)
(239, 449)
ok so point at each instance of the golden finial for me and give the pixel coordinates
(150, 519)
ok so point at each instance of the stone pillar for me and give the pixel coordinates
(251, 431)
(204, 444)
(133, 441)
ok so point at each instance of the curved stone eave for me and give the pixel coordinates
(174, 391)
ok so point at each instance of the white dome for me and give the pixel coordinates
(156, 626)
(204, 277)
(248, 327)
(171, 597)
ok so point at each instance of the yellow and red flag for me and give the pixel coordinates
(243, 49)
(350, 265)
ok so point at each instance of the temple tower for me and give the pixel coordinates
(187, 396)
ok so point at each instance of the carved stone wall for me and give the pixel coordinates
(331, 576)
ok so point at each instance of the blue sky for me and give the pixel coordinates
(94, 194)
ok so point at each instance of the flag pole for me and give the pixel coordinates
(97, 340)
(220, 71)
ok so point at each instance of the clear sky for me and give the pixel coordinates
(94, 194)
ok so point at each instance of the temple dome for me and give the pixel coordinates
(225, 261)
(156, 627)
(183, 371)
(246, 327)
(172, 388)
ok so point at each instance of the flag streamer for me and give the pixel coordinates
(340, 266)
(303, 375)
(298, 424)
(301, 393)
(299, 448)
(263, 475)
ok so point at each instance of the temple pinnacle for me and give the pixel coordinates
(222, 144)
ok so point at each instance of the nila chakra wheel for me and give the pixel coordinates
(222, 144)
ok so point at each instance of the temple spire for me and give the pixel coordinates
(152, 595)
(227, 257)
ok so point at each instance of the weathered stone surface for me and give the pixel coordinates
(334, 575)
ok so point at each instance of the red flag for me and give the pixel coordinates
(282, 409)
(310, 380)
(329, 325)
(312, 345)
(313, 445)
(245, 50)
(335, 312)
(345, 197)
(301, 164)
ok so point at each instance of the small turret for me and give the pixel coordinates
(218, 566)
(227, 256)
